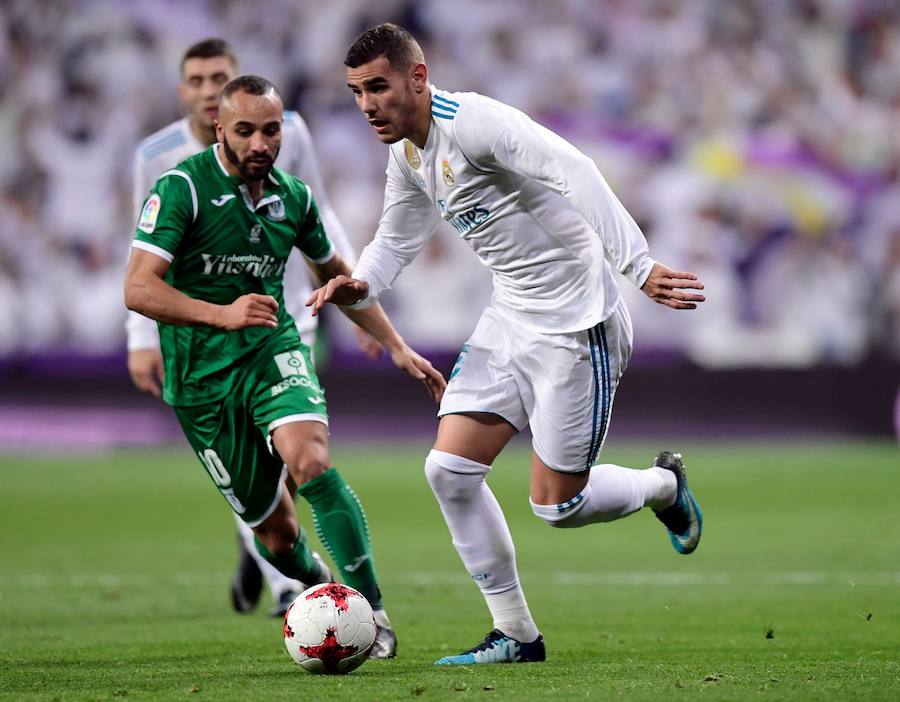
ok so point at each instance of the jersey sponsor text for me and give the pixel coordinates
(264, 266)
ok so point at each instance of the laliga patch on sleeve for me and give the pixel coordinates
(147, 222)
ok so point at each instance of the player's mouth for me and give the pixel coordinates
(212, 112)
(379, 125)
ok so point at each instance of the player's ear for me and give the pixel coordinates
(419, 77)
(180, 90)
(220, 131)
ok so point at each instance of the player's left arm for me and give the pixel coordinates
(336, 273)
(507, 139)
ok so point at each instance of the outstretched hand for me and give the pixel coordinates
(340, 290)
(344, 291)
(421, 369)
(667, 287)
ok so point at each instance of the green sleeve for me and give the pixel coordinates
(167, 212)
(311, 237)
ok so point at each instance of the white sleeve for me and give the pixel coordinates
(407, 223)
(142, 331)
(308, 171)
(502, 138)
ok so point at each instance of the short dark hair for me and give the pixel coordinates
(209, 48)
(253, 85)
(390, 40)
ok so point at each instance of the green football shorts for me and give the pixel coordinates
(232, 436)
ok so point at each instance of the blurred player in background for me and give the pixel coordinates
(208, 263)
(205, 68)
(551, 347)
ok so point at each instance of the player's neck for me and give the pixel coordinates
(422, 125)
(205, 135)
(256, 189)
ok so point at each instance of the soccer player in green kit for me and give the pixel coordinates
(208, 264)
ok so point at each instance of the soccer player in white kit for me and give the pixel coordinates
(205, 69)
(552, 345)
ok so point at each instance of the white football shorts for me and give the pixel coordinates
(561, 384)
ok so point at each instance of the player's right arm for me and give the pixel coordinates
(408, 221)
(165, 218)
(149, 294)
(373, 319)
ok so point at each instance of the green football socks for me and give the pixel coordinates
(298, 564)
(341, 526)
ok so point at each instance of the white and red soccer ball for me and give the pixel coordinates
(329, 628)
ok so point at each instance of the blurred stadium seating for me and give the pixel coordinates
(754, 141)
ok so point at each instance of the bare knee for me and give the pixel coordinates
(304, 449)
(550, 486)
(307, 465)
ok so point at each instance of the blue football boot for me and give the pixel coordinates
(497, 647)
(683, 519)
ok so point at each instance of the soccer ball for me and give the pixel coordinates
(329, 628)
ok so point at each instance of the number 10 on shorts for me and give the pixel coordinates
(220, 476)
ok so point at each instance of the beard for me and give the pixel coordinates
(247, 169)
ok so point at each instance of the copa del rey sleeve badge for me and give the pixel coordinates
(412, 154)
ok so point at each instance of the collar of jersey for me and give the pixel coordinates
(429, 140)
(242, 187)
(237, 179)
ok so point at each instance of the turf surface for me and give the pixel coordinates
(115, 568)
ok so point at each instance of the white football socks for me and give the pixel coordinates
(612, 492)
(482, 539)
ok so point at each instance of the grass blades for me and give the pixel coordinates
(114, 575)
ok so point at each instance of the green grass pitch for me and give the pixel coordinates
(114, 572)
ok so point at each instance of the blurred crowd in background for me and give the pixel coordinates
(756, 143)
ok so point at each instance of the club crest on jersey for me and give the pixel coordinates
(254, 233)
(276, 211)
(412, 154)
(449, 180)
(147, 222)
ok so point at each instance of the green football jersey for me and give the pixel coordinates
(221, 246)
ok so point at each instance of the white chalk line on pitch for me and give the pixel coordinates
(622, 579)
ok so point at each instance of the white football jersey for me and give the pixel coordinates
(536, 211)
(168, 147)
